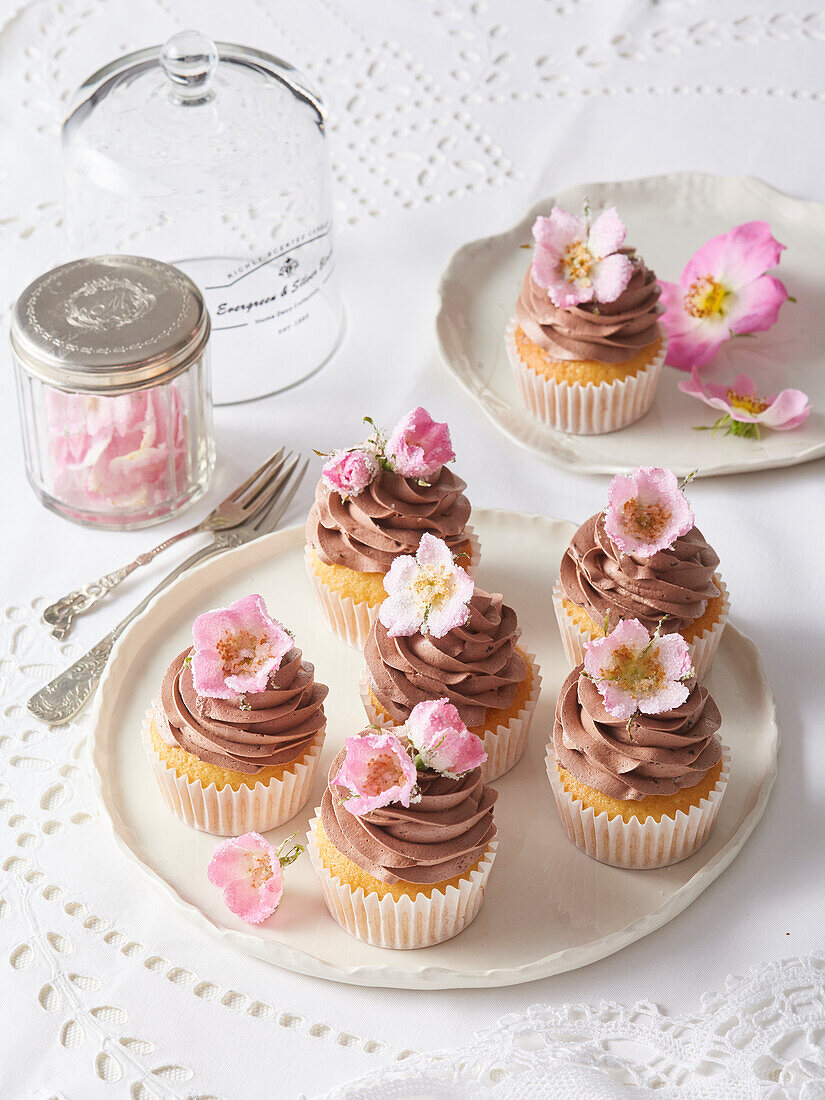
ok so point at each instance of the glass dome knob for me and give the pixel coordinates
(189, 59)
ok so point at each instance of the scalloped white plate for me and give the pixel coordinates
(668, 218)
(568, 910)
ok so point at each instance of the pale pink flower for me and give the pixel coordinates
(376, 771)
(418, 446)
(723, 292)
(443, 742)
(646, 511)
(636, 672)
(575, 263)
(248, 870)
(428, 592)
(348, 473)
(744, 411)
(236, 649)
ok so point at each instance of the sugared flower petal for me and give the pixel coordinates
(348, 473)
(429, 592)
(248, 870)
(418, 446)
(443, 742)
(646, 511)
(376, 771)
(236, 649)
(636, 672)
(740, 404)
(575, 264)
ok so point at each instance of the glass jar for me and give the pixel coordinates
(112, 370)
(213, 157)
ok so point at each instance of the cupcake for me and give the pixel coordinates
(404, 839)
(585, 345)
(435, 636)
(235, 734)
(636, 768)
(642, 558)
(372, 504)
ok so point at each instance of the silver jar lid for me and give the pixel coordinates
(109, 324)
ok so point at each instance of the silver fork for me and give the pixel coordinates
(68, 693)
(230, 513)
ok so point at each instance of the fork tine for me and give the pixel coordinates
(272, 489)
(275, 508)
(260, 472)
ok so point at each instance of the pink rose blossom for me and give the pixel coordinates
(348, 473)
(634, 671)
(443, 742)
(248, 870)
(376, 771)
(646, 511)
(574, 263)
(723, 292)
(744, 411)
(418, 446)
(428, 592)
(236, 649)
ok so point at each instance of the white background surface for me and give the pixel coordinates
(438, 137)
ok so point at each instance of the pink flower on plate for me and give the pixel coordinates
(577, 263)
(723, 292)
(248, 870)
(376, 771)
(236, 649)
(744, 411)
(418, 446)
(443, 742)
(636, 672)
(646, 511)
(348, 473)
(428, 592)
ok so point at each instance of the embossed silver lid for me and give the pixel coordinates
(109, 324)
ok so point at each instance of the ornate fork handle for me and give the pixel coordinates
(68, 693)
(60, 614)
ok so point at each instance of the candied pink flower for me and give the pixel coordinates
(377, 770)
(349, 472)
(634, 671)
(744, 411)
(248, 869)
(443, 742)
(723, 292)
(576, 263)
(236, 649)
(428, 592)
(418, 446)
(646, 511)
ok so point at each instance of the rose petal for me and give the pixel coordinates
(607, 234)
(737, 257)
(755, 307)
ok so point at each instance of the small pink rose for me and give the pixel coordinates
(575, 263)
(248, 870)
(418, 446)
(348, 473)
(376, 771)
(744, 411)
(428, 592)
(236, 649)
(443, 742)
(646, 511)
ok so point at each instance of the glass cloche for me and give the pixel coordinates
(213, 157)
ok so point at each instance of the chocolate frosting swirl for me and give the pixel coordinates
(368, 531)
(273, 727)
(476, 666)
(440, 836)
(674, 585)
(606, 332)
(660, 754)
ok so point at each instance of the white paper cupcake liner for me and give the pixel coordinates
(702, 649)
(642, 845)
(350, 620)
(504, 745)
(585, 409)
(227, 812)
(406, 923)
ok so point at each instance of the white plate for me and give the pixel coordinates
(568, 910)
(668, 218)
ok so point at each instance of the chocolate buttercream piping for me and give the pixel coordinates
(368, 531)
(250, 732)
(442, 835)
(606, 332)
(673, 585)
(476, 666)
(659, 754)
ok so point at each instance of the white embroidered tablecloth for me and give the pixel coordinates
(448, 119)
